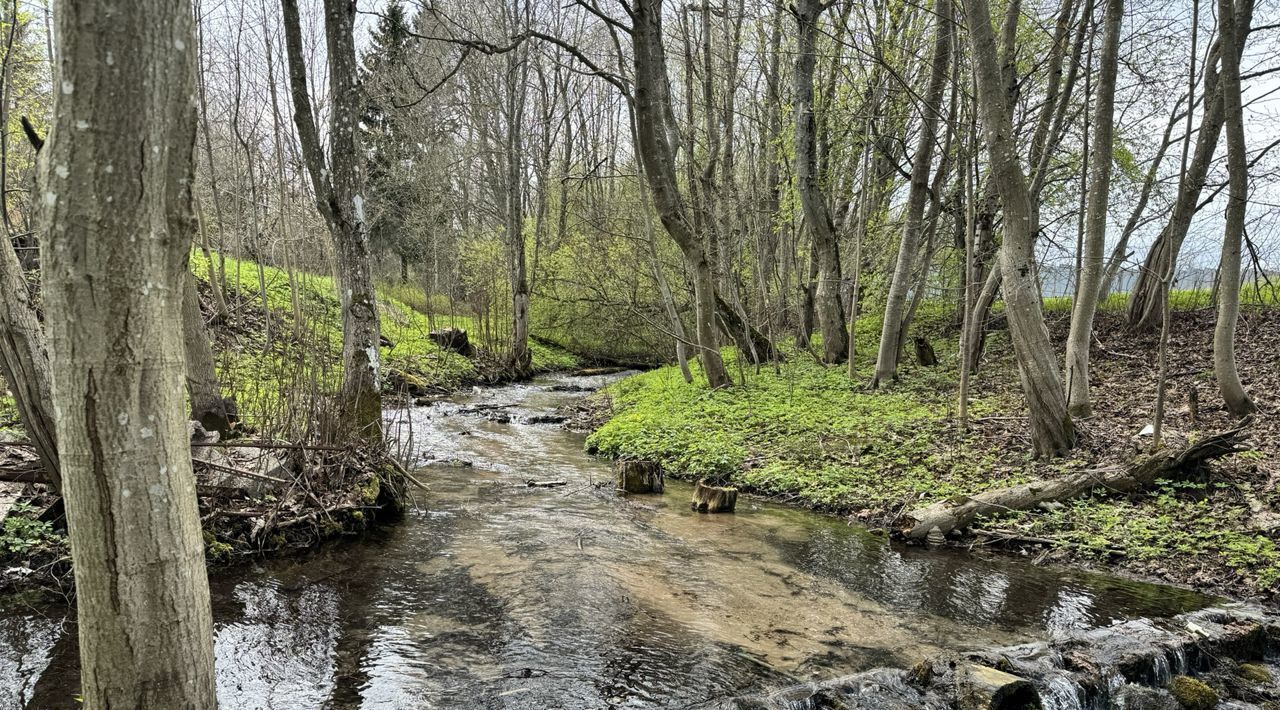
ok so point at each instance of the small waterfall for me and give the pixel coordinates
(1059, 692)
(1161, 674)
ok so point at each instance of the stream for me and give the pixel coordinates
(494, 594)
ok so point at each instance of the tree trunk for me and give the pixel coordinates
(1052, 432)
(909, 244)
(207, 404)
(1085, 304)
(339, 185)
(25, 364)
(1224, 334)
(654, 138)
(1146, 298)
(117, 204)
(826, 297)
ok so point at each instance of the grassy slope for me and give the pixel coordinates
(806, 433)
(253, 371)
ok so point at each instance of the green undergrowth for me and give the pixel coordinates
(1159, 529)
(806, 432)
(305, 348)
(810, 434)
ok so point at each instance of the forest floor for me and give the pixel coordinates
(804, 433)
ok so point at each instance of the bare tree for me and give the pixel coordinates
(913, 224)
(1224, 334)
(338, 183)
(1085, 304)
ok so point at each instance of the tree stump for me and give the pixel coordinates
(713, 499)
(453, 339)
(638, 476)
(924, 352)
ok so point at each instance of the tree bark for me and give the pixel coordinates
(654, 138)
(1224, 333)
(913, 224)
(817, 215)
(25, 364)
(116, 199)
(1085, 304)
(1052, 432)
(339, 185)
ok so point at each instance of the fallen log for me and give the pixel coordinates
(957, 513)
(713, 499)
(544, 484)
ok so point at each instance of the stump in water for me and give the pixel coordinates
(454, 339)
(638, 476)
(713, 499)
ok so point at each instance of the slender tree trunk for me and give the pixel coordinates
(1085, 304)
(207, 405)
(25, 364)
(116, 260)
(826, 296)
(1052, 432)
(909, 244)
(1224, 334)
(516, 74)
(1146, 299)
(654, 136)
(339, 188)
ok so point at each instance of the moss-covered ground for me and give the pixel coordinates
(806, 433)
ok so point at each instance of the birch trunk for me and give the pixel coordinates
(116, 200)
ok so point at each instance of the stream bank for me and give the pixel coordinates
(807, 435)
(492, 593)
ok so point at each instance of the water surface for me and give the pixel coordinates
(492, 594)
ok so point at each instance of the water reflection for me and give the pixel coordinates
(494, 594)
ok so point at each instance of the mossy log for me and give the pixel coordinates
(957, 513)
(713, 499)
(638, 476)
(985, 688)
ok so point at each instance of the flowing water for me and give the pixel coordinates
(494, 594)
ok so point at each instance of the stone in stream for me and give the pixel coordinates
(713, 499)
(638, 476)
(985, 688)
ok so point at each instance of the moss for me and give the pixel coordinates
(1193, 694)
(214, 550)
(370, 490)
(1254, 672)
